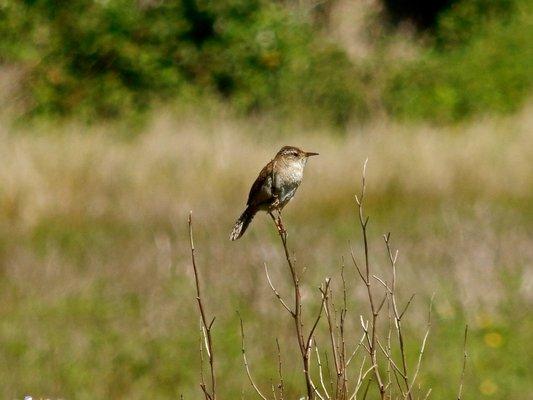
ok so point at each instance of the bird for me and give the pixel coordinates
(274, 187)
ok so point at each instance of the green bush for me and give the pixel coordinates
(479, 64)
(103, 58)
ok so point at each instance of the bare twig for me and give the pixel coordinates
(407, 305)
(356, 350)
(324, 299)
(360, 378)
(343, 378)
(465, 355)
(331, 328)
(303, 345)
(206, 327)
(389, 358)
(422, 347)
(329, 371)
(365, 276)
(320, 373)
(389, 348)
(281, 384)
(273, 390)
(245, 360)
(202, 379)
(397, 315)
(366, 389)
(277, 293)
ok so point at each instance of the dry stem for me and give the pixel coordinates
(374, 309)
(206, 327)
(465, 355)
(304, 344)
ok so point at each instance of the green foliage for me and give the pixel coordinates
(480, 63)
(468, 19)
(101, 59)
(110, 58)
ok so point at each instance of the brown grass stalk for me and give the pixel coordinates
(374, 308)
(304, 343)
(210, 394)
(465, 356)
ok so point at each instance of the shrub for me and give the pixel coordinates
(103, 58)
(479, 64)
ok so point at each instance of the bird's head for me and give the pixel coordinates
(294, 154)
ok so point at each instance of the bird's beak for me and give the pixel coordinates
(309, 154)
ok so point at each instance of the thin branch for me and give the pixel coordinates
(320, 372)
(202, 379)
(273, 390)
(329, 371)
(331, 329)
(303, 345)
(465, 356)
(281, 385)
(243, 350)
(356, 349)
(388, 356)
(363, 222)
(357, 266)
(206, 328)
(397, 317)
(277, 293)
(423, 346)
(389, 347)
(343, 377)
(382, 282)
(324, 297)
(360, 379)
(407, 305)
(366, 389)
(315, 391)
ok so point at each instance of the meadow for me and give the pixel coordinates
(119, 118)
(96, 282)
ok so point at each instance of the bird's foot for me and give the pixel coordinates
(279, 223)
(281, 228)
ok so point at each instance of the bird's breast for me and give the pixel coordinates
(291, 174)
(288, 179)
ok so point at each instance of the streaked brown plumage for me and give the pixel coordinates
(274, 187)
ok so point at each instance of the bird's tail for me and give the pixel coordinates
(242, 223)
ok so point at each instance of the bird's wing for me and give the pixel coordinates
(261, 191)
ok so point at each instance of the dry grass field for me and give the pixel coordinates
(96, 284)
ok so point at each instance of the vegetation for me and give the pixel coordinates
(478, 64)
(122, 55)
(96, 283)
(106, 59)
(131, 113)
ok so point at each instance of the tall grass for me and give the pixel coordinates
(95, 281)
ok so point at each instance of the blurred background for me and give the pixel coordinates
(117, 117)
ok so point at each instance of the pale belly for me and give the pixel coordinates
(287, 193)
(288, 185)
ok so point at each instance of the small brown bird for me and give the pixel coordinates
(274, 187)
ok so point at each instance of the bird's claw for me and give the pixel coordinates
(280, 226)
(279, 223)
